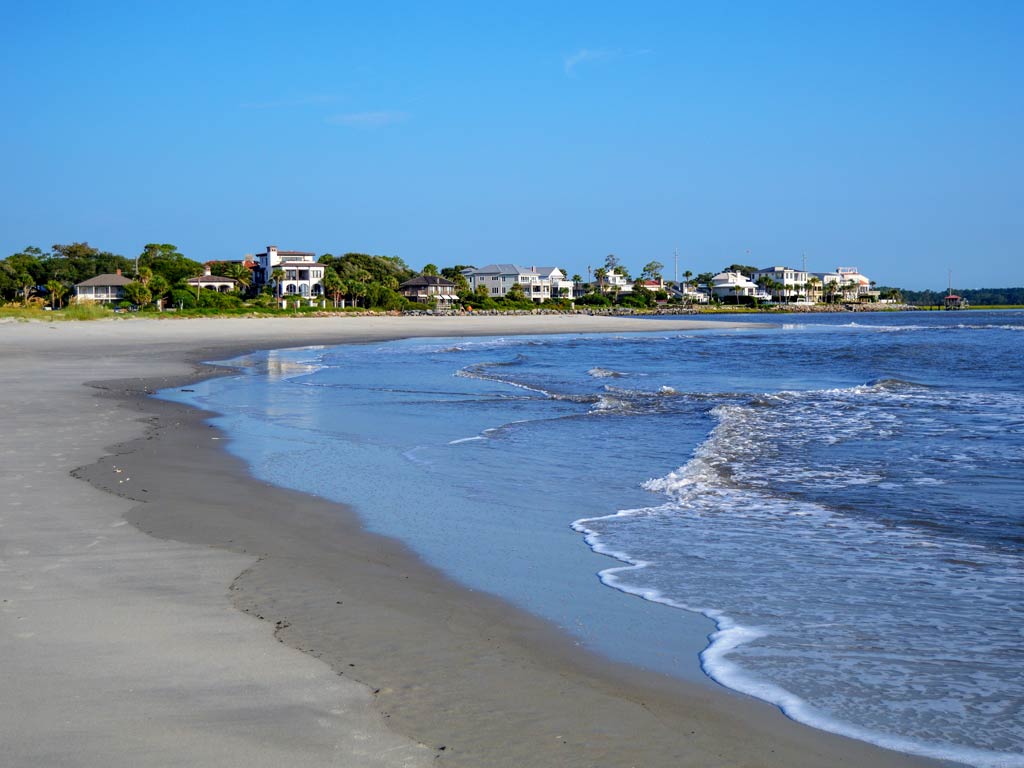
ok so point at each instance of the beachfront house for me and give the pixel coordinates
(737, 288)
(538, 283)
(613, 282)
(102, 288)
(430, 288)
(212, 282)
(298, 272)
(688, 293)
(844, 284)
(784, 283)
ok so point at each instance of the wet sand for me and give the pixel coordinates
(123, 649)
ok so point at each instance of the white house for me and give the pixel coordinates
(302, 275)
(846, 283)
(538, 283)
(793, 281)
(726, 285)
(614, 282)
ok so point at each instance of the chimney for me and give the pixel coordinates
(118, 272)
(206, 269)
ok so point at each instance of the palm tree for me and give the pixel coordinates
(333, 285)
(57, 290)
(277, 276)
(158, 286)
(764, 281)
(26, 286)
(240, 274)
(355, 289)
(600, 274)
(815, 285)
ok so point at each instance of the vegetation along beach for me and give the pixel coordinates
(583, 384)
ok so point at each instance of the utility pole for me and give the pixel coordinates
(675, 272)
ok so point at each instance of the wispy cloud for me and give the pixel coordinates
(586, 55)
(297, 101)
(368, 119)
(582, 56)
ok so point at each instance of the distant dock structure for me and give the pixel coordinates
(952, 300)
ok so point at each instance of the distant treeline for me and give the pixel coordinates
(976, 296)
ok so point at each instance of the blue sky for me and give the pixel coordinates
(881, 135)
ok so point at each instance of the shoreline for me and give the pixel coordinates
(451, 668)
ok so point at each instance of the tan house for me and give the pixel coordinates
(102, 288)
(427, 288)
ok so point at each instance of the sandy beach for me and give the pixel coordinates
(161, 607)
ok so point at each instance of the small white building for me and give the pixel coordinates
(302, 275)
(736, 285)
(538, 283)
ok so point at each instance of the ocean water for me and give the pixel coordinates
(826, 513)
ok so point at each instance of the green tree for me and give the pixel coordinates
(429, 269)
(164, 259)
(277, 275)
(333, 285)
(240, 274)
(76, 262)
(611, 261)
(158, 287)
(355, 289)
(600, 274)
(652, 270)
(743, 269)
(516, 293)
(138, 294)
(455, 275)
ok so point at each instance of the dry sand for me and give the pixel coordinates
(122, 649)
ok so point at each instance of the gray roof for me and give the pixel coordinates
(508, 269)
(427, 280)
(106, 280)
